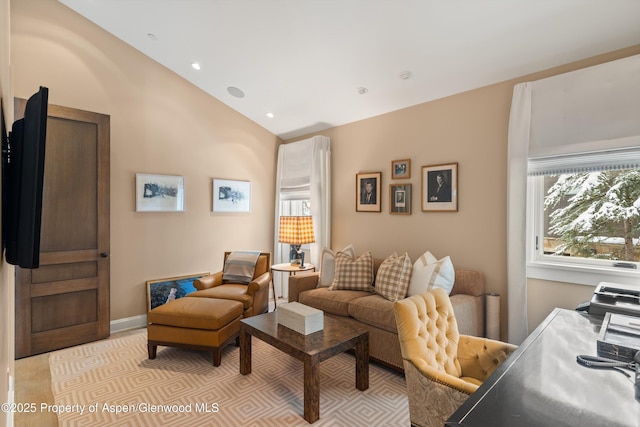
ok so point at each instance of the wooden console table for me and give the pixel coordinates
(541, 384)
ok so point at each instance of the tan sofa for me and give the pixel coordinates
(376, 314)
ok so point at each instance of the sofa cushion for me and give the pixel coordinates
(329, 301)
(196, 313)
(392, 279)
(429, 272)
(353, 274)
(328, 264)
(230, 291)
(374, 310)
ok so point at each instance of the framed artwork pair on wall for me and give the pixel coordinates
(166, 193)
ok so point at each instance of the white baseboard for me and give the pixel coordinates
(134, 322)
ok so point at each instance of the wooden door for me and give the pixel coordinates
(65, 301)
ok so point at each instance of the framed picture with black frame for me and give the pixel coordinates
(400, 199)
(440, 188)
(368, 186)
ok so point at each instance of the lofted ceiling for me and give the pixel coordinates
(316, 64)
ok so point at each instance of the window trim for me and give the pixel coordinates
(582, 271)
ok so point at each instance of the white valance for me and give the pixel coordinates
(593, 109)
(296, 166)
(628, 158)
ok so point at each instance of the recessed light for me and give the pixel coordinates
(152, 36)
(195, 65)
(362, 90)
(234, 91)
(270, 115)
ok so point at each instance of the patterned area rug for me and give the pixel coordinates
(112, 382)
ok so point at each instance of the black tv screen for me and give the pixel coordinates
(23, 177)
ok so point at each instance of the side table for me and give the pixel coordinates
(287, 268)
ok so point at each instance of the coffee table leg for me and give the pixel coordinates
(362, 363)
(311, 389)
(245, 351)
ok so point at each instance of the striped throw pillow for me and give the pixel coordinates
(392, 280)
(240, 267)
(430, 272)
(353, 274)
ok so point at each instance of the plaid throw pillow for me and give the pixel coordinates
(353, 274)
(392, 280)
(328, 265)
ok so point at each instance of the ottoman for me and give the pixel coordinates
(205, 324)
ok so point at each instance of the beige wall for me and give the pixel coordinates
(471, 129)
(160, 124)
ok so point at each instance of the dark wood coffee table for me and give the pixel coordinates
(335, 338)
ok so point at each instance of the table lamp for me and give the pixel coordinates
(296, 231)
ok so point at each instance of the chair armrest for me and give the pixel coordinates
(479, 357)
(442, 377)
(258, 288)
(302, 282)
(207, 282)
(260, 282)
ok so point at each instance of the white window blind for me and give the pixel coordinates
(585, 162)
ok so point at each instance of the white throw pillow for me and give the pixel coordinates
(328, 265)
(429, 272)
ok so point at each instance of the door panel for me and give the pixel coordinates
(65, 301)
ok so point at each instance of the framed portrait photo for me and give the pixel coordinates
(440, 188)
(162, 291)
(231, 196)
(368, 191)
(400, 199)
(159, 193)
(401, 169)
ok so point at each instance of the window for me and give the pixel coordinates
(593, 215)
(584, 222)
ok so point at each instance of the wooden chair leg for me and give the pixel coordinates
(152, 350)
(217, 357)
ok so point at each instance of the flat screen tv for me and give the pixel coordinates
(22, 183)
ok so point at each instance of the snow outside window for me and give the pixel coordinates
(584, 225)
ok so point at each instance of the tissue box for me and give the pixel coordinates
(301, 318)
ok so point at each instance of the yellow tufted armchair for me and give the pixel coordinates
(442, 368)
